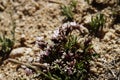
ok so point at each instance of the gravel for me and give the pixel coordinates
(39, 18)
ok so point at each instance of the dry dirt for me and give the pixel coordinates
(39, 18)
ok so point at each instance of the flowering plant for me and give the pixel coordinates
(66, 59)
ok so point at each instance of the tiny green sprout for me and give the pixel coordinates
(68, 10)
(73, 3)
(7, 44)
(87, 1)
(97, 24)
(71, 43)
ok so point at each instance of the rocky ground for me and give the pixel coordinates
(39, 18)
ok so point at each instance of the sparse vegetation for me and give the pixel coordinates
(6, 43)
(87, 1)
(65, 61)
(84, 46)
(68, 10)
(73, 3)
(71, 44)
(96, 24)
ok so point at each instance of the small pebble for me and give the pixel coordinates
(99, 64)
(30, 59)
(93, 69)
(108, 36)
(107, 56)
(1, 76)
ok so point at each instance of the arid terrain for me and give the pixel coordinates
(38, 19)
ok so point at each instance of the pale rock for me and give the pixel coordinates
(36, 48)
(30, 59)
(15, 3)
(37, 59)
(84, 29)
(1, 77)
(100, 69)
(97, 47)
(28, 50)
(118, 41)
(23, 36)
(99, 64)
(93, 69)
(16, 16)
(87, 19)
(108, 36)
(102, 60)
(118, 68)
(65, 25)
(113, 41)
(73, 24)
(20, 52)
(107, 56)
(45, 64)
(56, 33)
(83, 5)
(92, 63)
(17, 52)
(39, 38)
(23, 66)
(117, 29)
(31, 54)
(115, 46)
(117, 50)
(98, 72)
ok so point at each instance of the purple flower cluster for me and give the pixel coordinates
(64, 57)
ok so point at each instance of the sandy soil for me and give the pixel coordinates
(39, 18)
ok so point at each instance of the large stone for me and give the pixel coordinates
(20, 52)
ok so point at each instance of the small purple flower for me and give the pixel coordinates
(47, 52)
(28, 71)
(69, 71)
(56, 33)
(72, 63)
(67, 57)
(41, 43)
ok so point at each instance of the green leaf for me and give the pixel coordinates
(74, 3)
(58, 78)
(67, 11)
